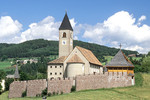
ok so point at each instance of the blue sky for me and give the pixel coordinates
(92, 21)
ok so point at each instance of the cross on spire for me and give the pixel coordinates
(120, 46)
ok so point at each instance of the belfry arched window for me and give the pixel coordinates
(64, 35)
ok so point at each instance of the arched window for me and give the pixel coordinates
(64, 35)
(52, 78)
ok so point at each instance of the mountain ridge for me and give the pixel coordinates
(38, 47)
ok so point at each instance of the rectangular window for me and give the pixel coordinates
(60, 66)
(50, 66)
(55, 66)
(55, 73)
(50, 73)
(60, 73)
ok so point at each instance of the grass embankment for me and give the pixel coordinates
(137, 92)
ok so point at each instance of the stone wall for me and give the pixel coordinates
(35, 87)
(60, 86)
(93, 81)
(107, 80)
(17, 88)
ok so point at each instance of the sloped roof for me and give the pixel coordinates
(58, 60)
(16, 74)
(89, 56)
(65, 24)
(75, 59)
(120, 60)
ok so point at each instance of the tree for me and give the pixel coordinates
(7, 83)
(0, 88)
(2, 74)
(146, 64)
(4, 57)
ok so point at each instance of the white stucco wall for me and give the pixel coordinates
(95, 69)
(77, 52)
(74, 69)
(55, 71)
(3, 84)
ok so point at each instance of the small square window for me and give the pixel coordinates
(60, 73)
(55, 73)
(50, 73)
(60, 66)
(55, 66)
(50, 66)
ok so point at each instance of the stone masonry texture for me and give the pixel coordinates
(17, 88)
(107, 80)
(35, 87)
(82, 82)
(60, 86)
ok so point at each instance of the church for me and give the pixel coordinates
(72, 62)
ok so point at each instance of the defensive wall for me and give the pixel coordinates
(107, 80)
(82, 82)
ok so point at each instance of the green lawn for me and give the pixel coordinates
(5, 64)
(125, 93)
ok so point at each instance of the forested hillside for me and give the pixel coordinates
(38, 47)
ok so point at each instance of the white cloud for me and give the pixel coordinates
(8, 28)
(75, 38)
(118, 28)
(73, 23)
(121, 28)
(47, 29)
(142, 18)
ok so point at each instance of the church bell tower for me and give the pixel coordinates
(65, 37)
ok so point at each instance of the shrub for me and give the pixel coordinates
(8, 81)
(49, 94)
(73, 88)
(61, 92)
(0, 89)
(44, 92)
(54, 93)
(138, 79)
(38, 95)
(24, 94)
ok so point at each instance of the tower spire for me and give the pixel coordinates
(16, 74)
(120, 46)
(65, 25)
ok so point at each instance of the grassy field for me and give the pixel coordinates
(125, 93)
(5, 64)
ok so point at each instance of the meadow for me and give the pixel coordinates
(124, 93)
(4, 65)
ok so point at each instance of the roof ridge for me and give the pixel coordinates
(128, 61)
(90, 57)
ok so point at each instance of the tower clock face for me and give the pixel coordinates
(63, 42)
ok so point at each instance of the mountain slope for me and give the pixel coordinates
(38, 47)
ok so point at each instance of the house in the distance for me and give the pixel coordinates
(72, 62)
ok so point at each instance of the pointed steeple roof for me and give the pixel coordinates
(16, 75)
(120, 60)
(65, 25)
